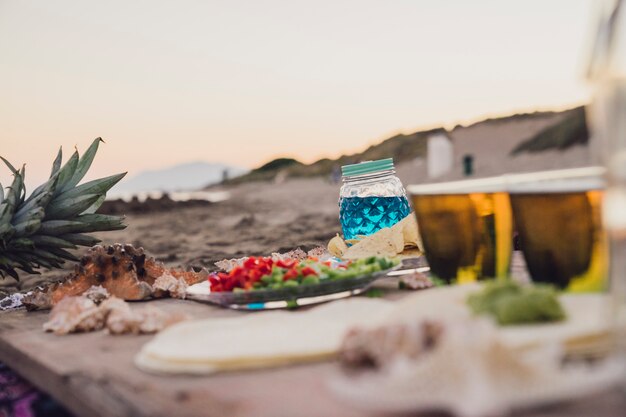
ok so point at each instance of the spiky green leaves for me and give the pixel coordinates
(37, 231)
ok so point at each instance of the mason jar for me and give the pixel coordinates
(371, 198)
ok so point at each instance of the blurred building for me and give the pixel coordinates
(439, 155)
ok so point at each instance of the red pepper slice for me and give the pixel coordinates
(286, 263)
(291, 274)
(306, 271)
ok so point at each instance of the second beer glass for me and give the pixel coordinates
(558, 217)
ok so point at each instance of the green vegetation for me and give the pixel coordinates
(571, 130)
(277, 164)
(266, 172)
(374, 293)
(510, 303)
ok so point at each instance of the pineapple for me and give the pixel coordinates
(37, 231)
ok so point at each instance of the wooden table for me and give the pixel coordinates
(93, 375)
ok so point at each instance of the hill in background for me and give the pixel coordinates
(571, 130)
(497, 138)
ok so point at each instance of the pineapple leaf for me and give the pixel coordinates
(100, 222)
(6, 232)
(59, 227)
(25, 266)
(12, 273)
(85, 223)
(56, 165)
(59, 242)
(5, 215)
(11, 167)
(69, 207)
(30, 224)
(12, 199)
(61, 253)
(80, 239)
(67, 172)
(22, 243)
(6, 261)
(21, 194)
(34, 210)
(1, 193)
(15, 190)
(49, 185)
(32, 204)
(47, 256)
(83, 166)
(29, 259)
(95, 206)
(27, 227)
(11, 262)
(99, 186)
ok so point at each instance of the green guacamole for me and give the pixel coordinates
(510, 303)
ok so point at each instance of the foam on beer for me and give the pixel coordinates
(479, 185)
(557, 181)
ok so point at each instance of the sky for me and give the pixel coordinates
(241, 82)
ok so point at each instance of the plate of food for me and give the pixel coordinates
(262, 283)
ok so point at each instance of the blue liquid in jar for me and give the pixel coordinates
(367, 215)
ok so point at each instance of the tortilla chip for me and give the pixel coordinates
(382, 243)
(397, 238)
(337, 247)
(410, 231)
(389, 241)
(356, 239)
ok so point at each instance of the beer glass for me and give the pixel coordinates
(466, 228)
(558, 217)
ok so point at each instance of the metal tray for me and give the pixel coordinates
(286, 297)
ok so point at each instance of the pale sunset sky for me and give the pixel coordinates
(241, 82)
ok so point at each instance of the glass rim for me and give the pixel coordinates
(475, 185)
(556, 174)
(558, 180)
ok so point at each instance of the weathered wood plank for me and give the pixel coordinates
(93, 375)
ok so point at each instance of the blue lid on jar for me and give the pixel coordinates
(367, 167)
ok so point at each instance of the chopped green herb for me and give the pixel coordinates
(510, 303)
(438, 282)
(374, 293)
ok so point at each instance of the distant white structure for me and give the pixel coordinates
(439, 155)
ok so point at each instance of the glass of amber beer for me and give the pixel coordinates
(558, 217)
(466, 227)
